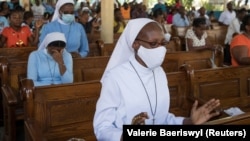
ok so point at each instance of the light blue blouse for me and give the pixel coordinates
(44, 70)
(74, 33)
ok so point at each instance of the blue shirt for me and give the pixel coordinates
(179, 21)
(44, 70)
(75, 35)
(3, 23)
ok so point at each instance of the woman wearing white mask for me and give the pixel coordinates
(134, 85)
(51, 63)
(63, 21)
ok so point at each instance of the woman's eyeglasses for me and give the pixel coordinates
(154, 44)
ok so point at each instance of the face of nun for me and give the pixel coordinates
(67, 8)
(150, 36)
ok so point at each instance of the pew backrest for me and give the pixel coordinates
(229, 84)
(61, 111)
(19, 53)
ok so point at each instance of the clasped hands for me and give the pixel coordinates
(199, 115)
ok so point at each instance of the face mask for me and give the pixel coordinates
(152, 57)
(68, 18)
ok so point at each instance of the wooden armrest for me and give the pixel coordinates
(9, 95)
(33, 132)
(239, 119)
(27, 94)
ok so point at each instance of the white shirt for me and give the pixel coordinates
(226, 17)
(196, 41)
(38, 11)
(123, 96)
(234, 27)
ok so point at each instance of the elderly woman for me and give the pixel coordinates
(240, 45)
(63, 21)
(143, 97)
(51, 63)
(196, 37)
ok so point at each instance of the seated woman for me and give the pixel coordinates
(240, 45)
(51, 63)
(196, 37)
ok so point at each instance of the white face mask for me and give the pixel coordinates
(152, 57)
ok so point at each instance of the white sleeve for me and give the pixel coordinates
(105, 115)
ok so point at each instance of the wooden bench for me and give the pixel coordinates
(178, 31)
(197, 59)
(218, 35)
(230, 84)
(22, 52)
(60, 112)
(55, 113)
(85, 69)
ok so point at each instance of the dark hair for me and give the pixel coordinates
(245, 21)
(57, 44)
(27, 15)
(199, 21)
(116, 10)
(157, 13)
(15, 11)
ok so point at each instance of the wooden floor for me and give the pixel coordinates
(20, 132)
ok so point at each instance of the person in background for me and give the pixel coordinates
(28, 19)
(38, 10)
(196, 37)
(240, 44)
(180, 19)
(90, 26)
(17, 35)
(170, 15)
(63, 21)
(3, 23)
(159, 17)
(125, 10)
(51, 63)
(119, 22)
(160, 5)
(143, 97)
(232, 30)
(202, 14)
(139, 11)
(227, 16)
(4, 9)
(178, 4)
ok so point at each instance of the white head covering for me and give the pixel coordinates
(53, 36)
(59, 4)
(85, 9)
(123, 49)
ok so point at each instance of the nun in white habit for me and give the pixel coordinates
(134, 85)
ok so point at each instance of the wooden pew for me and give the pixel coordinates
(22, 52)
(180, 32)
(84, 69)
(46, 106)
(217, 35)
(90, 68)
(242, 119)
(60, 112)
(197, 59)
(230, 84)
